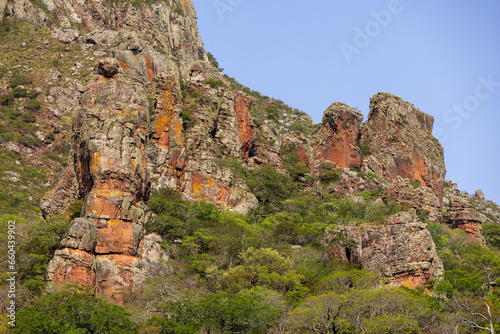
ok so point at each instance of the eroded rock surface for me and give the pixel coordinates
(401, 250)
(461, 215)
(422, 199)
(401, 143)
(337, 140)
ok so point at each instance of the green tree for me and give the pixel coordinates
(219, 313)
(382, 310)
(73, 311)
(271, 188)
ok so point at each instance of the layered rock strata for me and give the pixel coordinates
(461, 215)
(109, 145)
(401, 250)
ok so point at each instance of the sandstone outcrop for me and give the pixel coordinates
(75, 263)
(399, 137)
(401, 250)
(337, 140)
(461, 215)
(109, 145)
(158, 113)
(422, 199)
(59, 198)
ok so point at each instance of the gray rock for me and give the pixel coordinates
(12, 147)
(13, 174)
(53, 76)
(11, 179)
(82, 234)
(100, 53)
(40, 135)
(65, 36)
(357, 199)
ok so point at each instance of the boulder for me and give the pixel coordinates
(479, 194)
(65, 35)
(81, 234)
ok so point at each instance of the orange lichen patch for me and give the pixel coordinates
(184, 3)
(123, 64)
(245, 130)
(177, 127)
(106, 203)
(150, 67)
(211, 182)
(162, 129)
(95, 162)
(164, 119)
(116, 237)
(223, 194)
(419, 278)
(197, 185)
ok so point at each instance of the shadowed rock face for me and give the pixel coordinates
(401, 250)
(245, 130)
(401, 143)
(338, 138)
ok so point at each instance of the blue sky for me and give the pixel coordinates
(442, 56)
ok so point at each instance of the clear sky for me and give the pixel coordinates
(443, 56)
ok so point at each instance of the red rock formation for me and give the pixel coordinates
(245, 130)
(337, 139)
(110, 167)
(75, 263)
(401, 250)
(401, 143)
(461, 215)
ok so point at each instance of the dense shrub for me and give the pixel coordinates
(73, 312)
(33, 105)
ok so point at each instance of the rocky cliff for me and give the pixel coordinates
(145, 107)
(400, 140)
(401, 250)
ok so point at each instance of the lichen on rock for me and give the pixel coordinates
(401, 249)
